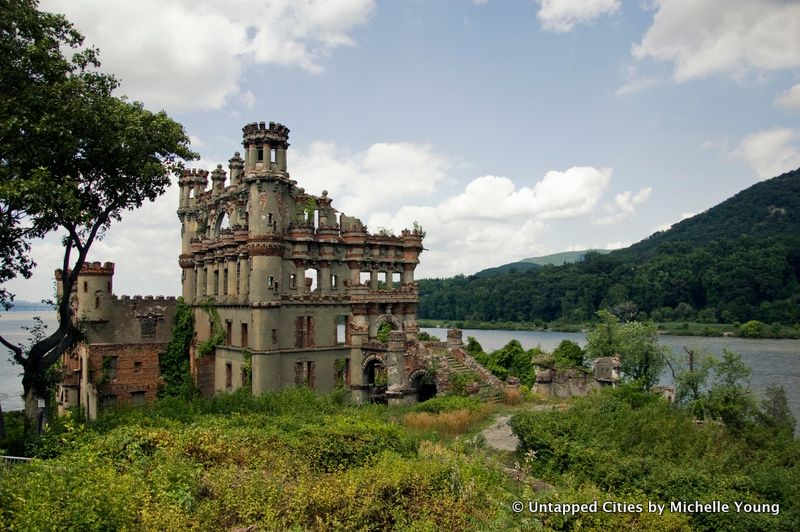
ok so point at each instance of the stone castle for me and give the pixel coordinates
(285, 291)
(300, 289)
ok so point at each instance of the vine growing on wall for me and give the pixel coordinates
(217, 332)
(174, 362)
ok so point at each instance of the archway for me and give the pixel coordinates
(424, 384)
(374, 372)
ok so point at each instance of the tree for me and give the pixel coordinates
(73, 157)
(568, 354)
(641, 358)
(730, 399)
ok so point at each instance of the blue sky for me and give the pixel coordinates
(507, 128)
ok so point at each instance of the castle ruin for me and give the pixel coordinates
(301, 291)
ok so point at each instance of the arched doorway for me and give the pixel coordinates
(424, 384)
(375, 378)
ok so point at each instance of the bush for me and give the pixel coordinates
(752, 329)
(568, 354)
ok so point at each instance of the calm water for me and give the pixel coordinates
(772, 361)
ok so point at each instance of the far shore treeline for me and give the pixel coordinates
(739, 261)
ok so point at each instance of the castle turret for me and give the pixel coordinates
(265, 147)
(92, 291)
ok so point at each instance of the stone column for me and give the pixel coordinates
(200, 282)
(209, 264)
(408, 273)
(389, 280)
(244, 278)
(301, 278)
(395, 369)
(324, 278)
(230, 266)
(373, 280)
(220, 262)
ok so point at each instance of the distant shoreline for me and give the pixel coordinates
(707, 330)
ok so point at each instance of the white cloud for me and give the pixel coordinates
(567, 194)
(562, 15)
(635, 82)
(667, 226)
(790, 99)
(384, 174)
(728, 36)
(771, 152)
(191, 54)
(466, 246)
(624, 206)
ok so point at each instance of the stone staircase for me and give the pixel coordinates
(487, 391)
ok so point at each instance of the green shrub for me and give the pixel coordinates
(448, 403)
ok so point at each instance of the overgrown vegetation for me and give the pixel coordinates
(174, 362)
(217, 332)
(627, 445)
(284, 461)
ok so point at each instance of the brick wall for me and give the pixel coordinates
(137, 370)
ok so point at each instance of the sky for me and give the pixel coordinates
(506, 128)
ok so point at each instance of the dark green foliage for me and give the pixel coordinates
(427, 337)
(775, 412)
(174, 362)
(629, 444)
(736, 262)
(447, 404)
(460, 381)
(752, 329)
(383, 332)
(568, 354)
(474, 348)
(641, 358)
(509, 361)
(74, 157)
(217, 332)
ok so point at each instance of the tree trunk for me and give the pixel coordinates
(31, 411)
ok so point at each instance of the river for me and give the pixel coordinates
(772, 361)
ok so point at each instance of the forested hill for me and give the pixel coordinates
(737, 261)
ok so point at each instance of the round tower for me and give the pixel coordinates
(93, 291)
(265, 147)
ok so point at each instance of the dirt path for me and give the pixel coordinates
(499, 436)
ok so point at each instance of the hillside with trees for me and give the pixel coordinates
(738, 261)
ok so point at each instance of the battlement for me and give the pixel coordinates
(259, 131)
(143, 298)
(91, 268)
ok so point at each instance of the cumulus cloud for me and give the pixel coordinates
(790, 99)
(624, 206)
(771, 152)
(191, 54)
(491, 222)
(466, 246)
(723, 36)
(384, 174)
(563, 15)
(573, 192)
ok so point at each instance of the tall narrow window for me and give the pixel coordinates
(244, 335)
(85, 286)
(271, 281)
(216, 282)
(228, 332)
(228, 375)
(225, 281)
(110, 366)
(311, 379)
(334, 281)
(260, 152)
(273, 155)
